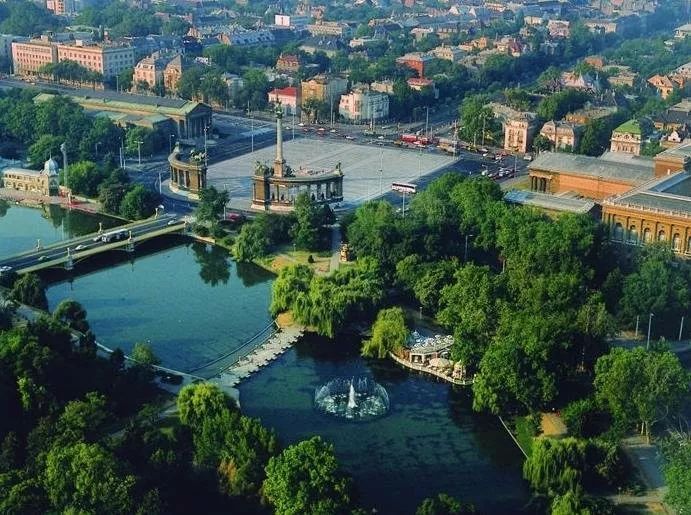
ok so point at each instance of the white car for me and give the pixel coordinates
(301, 124)
(80, 247)
(173, 222)
(4, 269)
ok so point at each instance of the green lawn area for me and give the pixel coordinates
(524, 434)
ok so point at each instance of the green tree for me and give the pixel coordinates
(85, 478)
(443, 504)
(83, 420)
(555, 467)
(677, 470)
(211, 205)
(73, 314)
(138, 203)
(640, 387)
(555, 106)
(125, 79)
(306, 231)
(477, 119)
(541, 143)
(45, 146)
(655, 287)
(306, 479)
(30, 290)
(199, 401)
(84, 177)
(252, 242)
(144, 355)
(244, 456)
(467, 307)
(389, 334)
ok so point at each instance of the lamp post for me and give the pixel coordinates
(465, 251)
(139, 151)
(381, 172)
(170, 143)
(650, 324)
(206, 148)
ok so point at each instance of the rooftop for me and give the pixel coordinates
(99, 99)
(550, 202)
(669, 194)
(682, 151)
(630, 127)
(632, 170)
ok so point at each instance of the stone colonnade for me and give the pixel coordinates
(318, 191)
(540, 184)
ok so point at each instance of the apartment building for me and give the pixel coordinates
(108, 60)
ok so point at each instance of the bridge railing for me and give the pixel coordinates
(84, 237)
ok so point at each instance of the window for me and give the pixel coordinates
(618, 233)
(647, 235)
(633, 235)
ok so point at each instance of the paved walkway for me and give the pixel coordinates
(30, 198)
(648, 462)
(335, 261)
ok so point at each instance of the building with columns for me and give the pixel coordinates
(275, 188)
(187, 174)
(659, 211)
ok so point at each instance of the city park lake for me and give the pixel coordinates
(195, 306)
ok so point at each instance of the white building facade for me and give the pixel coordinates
(363, 105)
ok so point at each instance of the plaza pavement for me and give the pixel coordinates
(360, 164)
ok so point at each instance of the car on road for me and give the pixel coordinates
(528, 157)
(4, 269)
(173, 222)
(380, 137)
(42, 258)
(333, 131)
(349, 137)
(80, 247)
(301, 124)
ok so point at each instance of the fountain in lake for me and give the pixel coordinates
(358, 398)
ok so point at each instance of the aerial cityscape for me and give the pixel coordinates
(303, 257)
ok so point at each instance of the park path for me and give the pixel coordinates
(335, 260)
(647, 460)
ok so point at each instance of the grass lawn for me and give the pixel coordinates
(524, 434)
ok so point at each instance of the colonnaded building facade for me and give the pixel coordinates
(642, 200)
(276, 188)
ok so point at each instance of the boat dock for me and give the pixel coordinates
(261, 356)
(431, 371)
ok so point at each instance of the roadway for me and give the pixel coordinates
(82, 246)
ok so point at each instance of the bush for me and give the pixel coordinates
(201, 230)
(585, 419)
(310, 259)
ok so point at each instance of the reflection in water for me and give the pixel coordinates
(214, 263)
(251, 274)
(21, 226)
(4, 206)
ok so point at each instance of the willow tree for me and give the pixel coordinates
(389, 334)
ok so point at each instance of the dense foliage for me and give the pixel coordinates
(389, 334)
(306, 478)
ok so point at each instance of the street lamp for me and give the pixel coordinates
(139, 150)
(206, 147)
(465, 251)
(158, 208)
(170, 143)
(650, 324)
